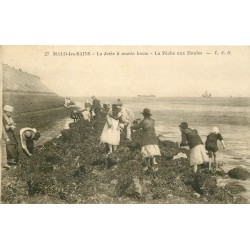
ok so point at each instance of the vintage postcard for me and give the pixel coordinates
(125, 124)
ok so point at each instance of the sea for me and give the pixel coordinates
(230, 114)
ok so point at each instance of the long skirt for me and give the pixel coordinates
(111, 132)
(12, 151)
(150, 150)
(4, 153)
(198, 155)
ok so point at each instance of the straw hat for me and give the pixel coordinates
(119, 102)
(28, 134)
(8, 108)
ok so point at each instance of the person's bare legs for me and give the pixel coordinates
(110, 149)
(146, 161)
(215, 163)
(210, 163)
(154, 161)
(154, 164)
(195, 168)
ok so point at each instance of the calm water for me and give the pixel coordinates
(230, 115)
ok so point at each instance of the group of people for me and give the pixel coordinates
(117, 119)
(89, 111)
(120, 118)
(200, 154)
(9, 140)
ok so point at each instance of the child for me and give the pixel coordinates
(111, 130)
(75, 115)
(211, 145)
(86, 114)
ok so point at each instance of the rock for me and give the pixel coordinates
(196, 195)
(235, 188)
(135, 188)
(54, 158)
(221, 196)
(113, 159)
(130, 181)
(100, 160)
(239, 173)
(204, 183)
(220, 172)
(167, 143)
(114, 182)
(241, 200)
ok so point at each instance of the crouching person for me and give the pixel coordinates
(28, 135)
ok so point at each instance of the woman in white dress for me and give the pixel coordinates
(111, 130)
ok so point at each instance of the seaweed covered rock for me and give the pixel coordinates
(54, 158)
(235, 188)
(113, 159)
(204, 183)
(239, 173)
(129, 180)
(167, 143)
(239, 199)
(75, 168)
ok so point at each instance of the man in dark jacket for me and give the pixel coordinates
(96, 106)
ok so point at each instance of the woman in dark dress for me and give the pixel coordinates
(10, 126)
(148, 140)
(191, 138)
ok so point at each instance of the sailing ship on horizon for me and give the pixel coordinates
(206, 94)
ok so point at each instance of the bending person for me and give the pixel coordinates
(191, 138)
(28, 135)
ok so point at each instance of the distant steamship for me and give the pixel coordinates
(146, 95)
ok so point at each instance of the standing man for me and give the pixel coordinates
(10, 126)
(96, 107)
(28, 135)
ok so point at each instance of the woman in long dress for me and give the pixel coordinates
(148, 140)
(111, 130)
(10, 126)
(191, 138)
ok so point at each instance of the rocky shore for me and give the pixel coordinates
(75, 169)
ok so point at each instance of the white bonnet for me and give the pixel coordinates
(215, 130)
(8, 108)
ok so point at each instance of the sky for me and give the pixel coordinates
(222, 70)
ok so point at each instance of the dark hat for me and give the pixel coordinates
(119, 102)
(146, 111)
(37, 136)
(183, 125)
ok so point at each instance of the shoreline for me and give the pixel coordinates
(74, 169)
